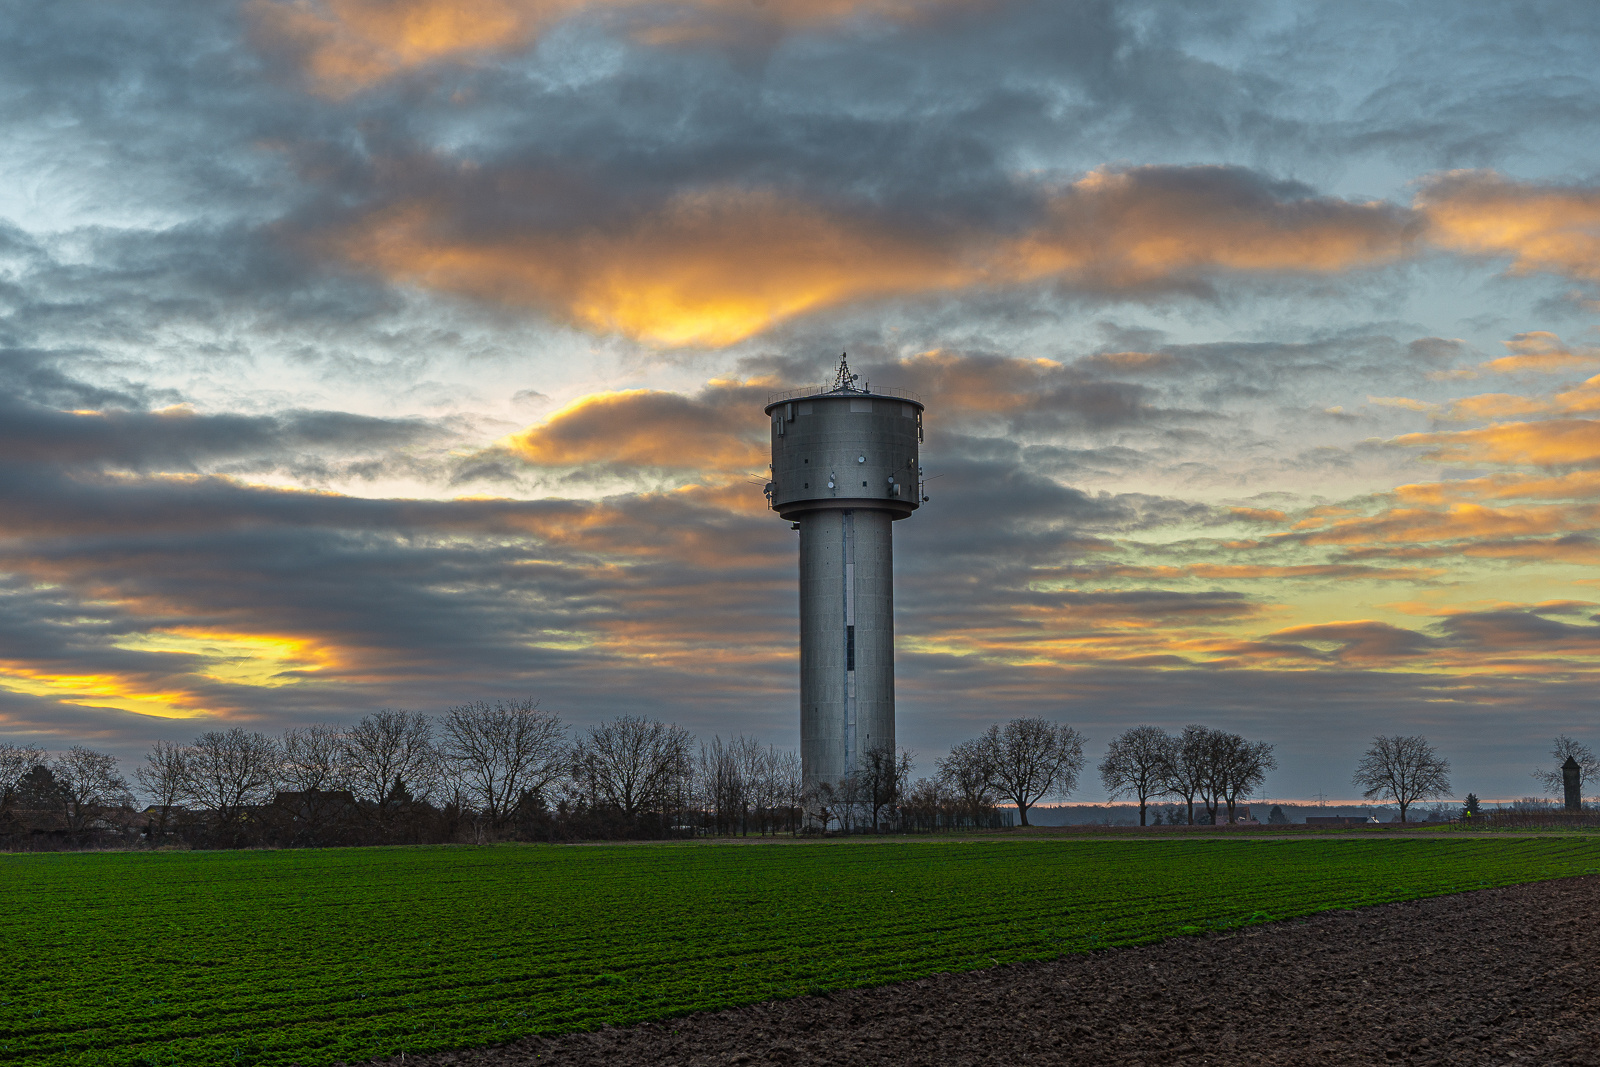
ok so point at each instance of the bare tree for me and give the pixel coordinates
(755, 767)
(762, 770)
(822, 806)
(849, 794)
(1561, 749)
(1238, 767)
(1140, 762)
(314, 784)
(1034, 759)
(16, 761)
(1191, 766)
(633, 764)
(928, 799)
(314, 759)
(1403, 769)
(164, 777)
(788, 786)
(968, 772)
(227, 771)
(723, 785)
(89, 781)
(500, 751)
(388, 758)
(884, 774)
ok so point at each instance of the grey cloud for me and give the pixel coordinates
(1515, 632)
(142, 441)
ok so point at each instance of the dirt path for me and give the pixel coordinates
(1495, 977)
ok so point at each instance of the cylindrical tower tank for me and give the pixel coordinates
(844, 467)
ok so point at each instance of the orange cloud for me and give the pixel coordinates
(644, 428)
(184, 672)
(708, 268)
(1404, 403)
(714, 266)
(1495, 406)
(1316, 570)
(1542, 352)
(1577, 485)
(347, 45)
(1541, 227)
(1453, 523)
(1552, 443)
(1124, 228)
(1270, 515)
(1582, 399)
(165, 698)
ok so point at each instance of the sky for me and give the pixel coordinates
(361, 354)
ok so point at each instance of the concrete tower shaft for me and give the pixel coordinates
(846, 639)
(844, 467)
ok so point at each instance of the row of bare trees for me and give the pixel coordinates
(478, 771)
(1214, 767)
(478, 757)
(486, 769)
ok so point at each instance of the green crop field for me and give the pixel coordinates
(311, 956)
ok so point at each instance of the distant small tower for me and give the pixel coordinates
(844, 466)
(1571, 780)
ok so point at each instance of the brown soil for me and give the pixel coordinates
(1494, 977)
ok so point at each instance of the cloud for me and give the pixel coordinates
(1582, 399)
(178, 439)
(1542, 352)
(1360, 642)
(1526, 632)
(344, 46)
(1266, 515)
(718, 264)
(1128, 228)
(1549, 443)
(1491, 406)
(1404, 403)
(976, 389)
(1339, 571)
(1452, 523)
(1575, 485)
(196, 596)
(1541, 227)
(715, 433)
(710, 267)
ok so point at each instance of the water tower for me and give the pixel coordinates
(844, 467)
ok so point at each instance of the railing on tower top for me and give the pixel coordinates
(828, 390)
